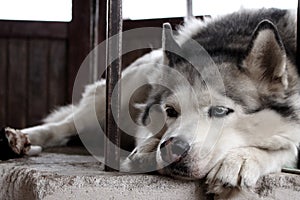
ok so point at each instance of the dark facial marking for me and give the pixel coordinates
(284, 110)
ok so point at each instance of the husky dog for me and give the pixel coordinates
(227, 111)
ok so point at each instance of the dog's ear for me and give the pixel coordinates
(265, 59)
(170, 47)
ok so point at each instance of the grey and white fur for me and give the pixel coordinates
(256, 112)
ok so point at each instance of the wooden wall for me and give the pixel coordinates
(32, 71)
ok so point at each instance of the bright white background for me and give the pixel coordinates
(42, 10)
(145, 9)
(61, 10)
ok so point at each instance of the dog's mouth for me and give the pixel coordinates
(177, 170)
(186, 170)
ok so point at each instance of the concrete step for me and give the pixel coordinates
(54, 176)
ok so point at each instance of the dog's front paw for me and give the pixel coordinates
(239, 170)
(143, 157)
(13, 143)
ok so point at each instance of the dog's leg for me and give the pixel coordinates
(62, 124)
(51, 134)
(15, 143)
(143, 157)
(242, 167)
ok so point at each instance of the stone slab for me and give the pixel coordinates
(54, 176)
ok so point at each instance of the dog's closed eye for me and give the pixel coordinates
(219, 111)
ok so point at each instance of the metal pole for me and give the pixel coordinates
(113, 75)
(94, 35)
(298, 58)
(298, 39)
(189, 6)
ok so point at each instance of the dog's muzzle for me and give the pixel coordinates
(174, 149)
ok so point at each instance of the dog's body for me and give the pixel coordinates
(231, 119)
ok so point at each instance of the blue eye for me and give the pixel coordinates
(219, 111)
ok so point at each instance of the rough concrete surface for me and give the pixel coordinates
(54, 176)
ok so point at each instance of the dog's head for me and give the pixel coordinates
(211, 107)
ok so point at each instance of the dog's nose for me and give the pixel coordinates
(174, 149)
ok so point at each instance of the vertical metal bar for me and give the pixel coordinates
(113, 75)
(298, 38)
(189, 6)
(94, 39)
(298, 59)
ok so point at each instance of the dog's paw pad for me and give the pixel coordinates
(13, 143)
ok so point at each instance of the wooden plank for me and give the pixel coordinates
(79, 41)
(3, 79)
(17, 69)
(57, 81)
(37, 81)
(33, 29)
(131, 24)
(102, 21)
